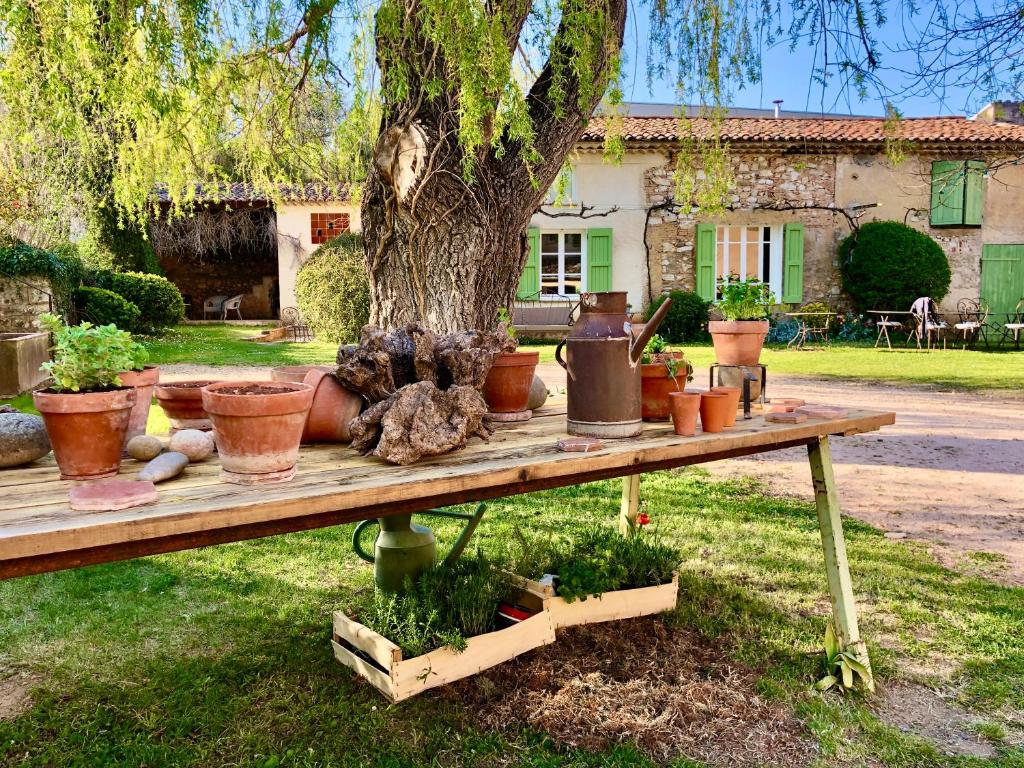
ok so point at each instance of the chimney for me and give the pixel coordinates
(1002, 112)
(777, 102)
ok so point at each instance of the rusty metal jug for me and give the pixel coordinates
(602, 363)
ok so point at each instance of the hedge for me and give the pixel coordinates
(333, 291)
(102, 307)
(61, 268)
(157, 298)
(687, 318)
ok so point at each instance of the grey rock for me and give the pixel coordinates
(23, 439)
(538, 394)
(164, 467)
(144, 447)
(194, 443)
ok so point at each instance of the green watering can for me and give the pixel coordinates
(403, 549)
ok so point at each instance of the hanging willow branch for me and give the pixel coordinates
(211, 232)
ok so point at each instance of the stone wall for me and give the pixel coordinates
(22, 301)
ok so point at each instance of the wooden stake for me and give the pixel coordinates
(630, 503)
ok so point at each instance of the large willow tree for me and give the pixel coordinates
(451, 118)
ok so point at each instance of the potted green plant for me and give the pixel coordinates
(87, 408)
(507, 387)
(739, 337)
(662, 372)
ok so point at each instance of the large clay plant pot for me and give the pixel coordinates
(332, 411)
(87, 429)
(143, 382)
(257, 426)
(182, 402)
(738, 342)
(657, 383)
(297, 373)
(507, 387)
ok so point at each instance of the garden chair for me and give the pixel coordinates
(295, 324)
(884, 323)
(1015, 325)
(927, 323)
(214, 304)
(234, 304)
(973, 316)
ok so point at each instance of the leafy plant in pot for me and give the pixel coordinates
(662, 372)
(507, 387)
(87, 409)
(739, 337)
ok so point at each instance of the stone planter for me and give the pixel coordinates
(21, 354)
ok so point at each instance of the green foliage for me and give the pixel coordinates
(842, 668)
(61, 267)
(657, 351)
(687, 317)
(505, 319)
(89, 357)
(114, 243)
(745, 300)
(887, 265)
(102, 307)
(157, 298)
(333, 290)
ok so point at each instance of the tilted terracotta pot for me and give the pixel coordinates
(507, 387)
(86, 429)
(257, 426)
(685, 406)
(738, 342)
(297, 373)
(714, 411)
(332, 411)
(143, 382)
(182, 401)
(656, 386)
(735, 395)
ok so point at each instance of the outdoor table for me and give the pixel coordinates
(39, 532)
(884, 323)
(810, 324)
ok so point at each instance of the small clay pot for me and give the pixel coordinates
(182, 401)
(738, 342)
(685, 407)
(86, 429)
(332, 411)
(143, 382)
(714, 411)
(297, 373)
(655, 387)
(257, 426)
(507, 387)
(735, 395)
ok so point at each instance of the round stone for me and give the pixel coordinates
(164, 467)
(538, 394)
(23, 439)
(144, 447)
(194, 443)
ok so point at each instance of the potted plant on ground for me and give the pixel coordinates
(507, 388)
(662, 372)
(87, 409)
(739, 337)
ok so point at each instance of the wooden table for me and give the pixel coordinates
(39, 532)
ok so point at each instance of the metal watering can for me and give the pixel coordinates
(603, 365)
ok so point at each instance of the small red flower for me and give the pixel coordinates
(643, 519)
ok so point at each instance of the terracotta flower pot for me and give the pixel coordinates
(143, 382)
(297, 373)
(738, 342)
(714, 411)
(735, 395)
(507, 387)
(86, 429)
(257, 426)
(332, 411)
(655, 387)
(182, 401)
(684, 406)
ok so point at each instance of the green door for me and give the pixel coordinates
(1002, 278)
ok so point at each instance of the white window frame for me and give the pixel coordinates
(561, 233)
(551, 198)
(727, 234)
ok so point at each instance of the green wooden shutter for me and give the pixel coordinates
(793, 263)
(599, 259)
(1002, 278)
(705, 261)
(529, 281)
(947, 193)
(974, 195)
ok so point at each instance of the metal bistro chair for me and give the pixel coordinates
(214, 304)
(811, 326)
(925, 325)
(973, 316)
(1013, 328)
(295, 325)
(234, 304)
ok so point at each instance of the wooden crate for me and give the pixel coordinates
(380, 661)
(610, 606)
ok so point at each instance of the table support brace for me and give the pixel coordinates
(630, 503)
(840, 587)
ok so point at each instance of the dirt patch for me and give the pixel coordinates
(922, 712)
(254, 389)
(16, 694)
(670, 692)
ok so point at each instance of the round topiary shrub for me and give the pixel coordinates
(158, 299)
(333, 290)
(887, 265)
(102, 307)
(687, 318)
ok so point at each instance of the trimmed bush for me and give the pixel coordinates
(157, 298)
(333, 290)
(687, 318)
(887, 265)
(102, 307)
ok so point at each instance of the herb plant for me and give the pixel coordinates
(657, 351)
(88, 357)
(745, 300)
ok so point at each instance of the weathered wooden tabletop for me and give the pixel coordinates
(39, 532)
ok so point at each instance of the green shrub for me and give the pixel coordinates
(102, 307)
(117, 245)
(333, 290)
(687, 318)
(158, 299)
(61, 267)
(887, 265)
(89, 357)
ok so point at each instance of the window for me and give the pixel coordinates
(562, 266)
(324, 227)
(751, 252)
(563, 191)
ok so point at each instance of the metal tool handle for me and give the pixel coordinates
(356, 546)
(560, 361)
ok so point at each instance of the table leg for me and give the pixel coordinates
(840, 587)
(630, 503)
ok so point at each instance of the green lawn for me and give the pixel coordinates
(221, 656)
